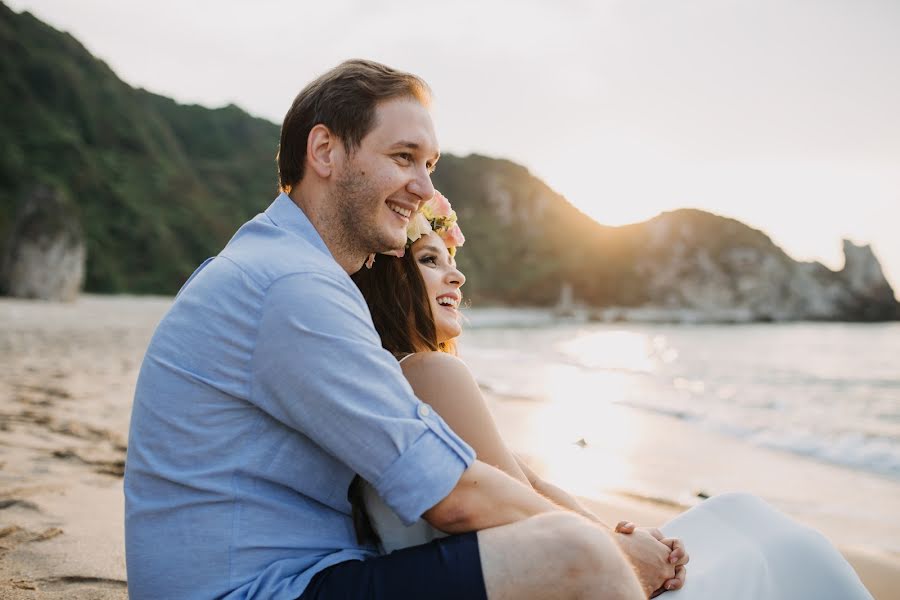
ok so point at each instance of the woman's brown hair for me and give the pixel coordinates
(400, 306)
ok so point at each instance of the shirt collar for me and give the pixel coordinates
(287, 215)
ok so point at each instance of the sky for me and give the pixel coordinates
(783, 114)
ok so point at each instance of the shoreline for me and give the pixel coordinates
(853, 508)
(68, 375)
(495, 315)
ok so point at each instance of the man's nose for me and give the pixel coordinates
(421, 185)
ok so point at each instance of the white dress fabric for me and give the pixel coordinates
(393, 534)
(741, 548)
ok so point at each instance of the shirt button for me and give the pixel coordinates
(424, 410)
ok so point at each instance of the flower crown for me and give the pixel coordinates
(435, 215)
(438, 216)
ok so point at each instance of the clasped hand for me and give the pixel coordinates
(659, 561)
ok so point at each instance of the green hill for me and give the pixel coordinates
(157, 187)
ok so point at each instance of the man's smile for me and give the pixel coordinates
(403, 212)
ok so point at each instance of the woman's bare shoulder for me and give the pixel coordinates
(430, 360)
(445, 382)
(436, 369)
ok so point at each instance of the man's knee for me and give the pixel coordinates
(558, 555)
(578, 555)
(577, 543)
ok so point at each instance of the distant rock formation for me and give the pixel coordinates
(872, 295)
(702, 267)
(45, 253)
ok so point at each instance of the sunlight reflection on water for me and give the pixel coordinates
(805, 388)
(614, 350)
(591, 452)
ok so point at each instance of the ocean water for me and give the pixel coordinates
(828, 391)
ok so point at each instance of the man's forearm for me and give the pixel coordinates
(486, 497)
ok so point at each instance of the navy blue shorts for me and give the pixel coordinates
(445, 569)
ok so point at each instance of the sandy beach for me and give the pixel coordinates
(68, 375)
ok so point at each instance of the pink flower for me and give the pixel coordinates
(438, 206)
(454, 237)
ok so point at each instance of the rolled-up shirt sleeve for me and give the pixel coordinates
(319, 368)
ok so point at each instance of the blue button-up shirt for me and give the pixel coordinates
(264, 390)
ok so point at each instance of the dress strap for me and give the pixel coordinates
(400, 358)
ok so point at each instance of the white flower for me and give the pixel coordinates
(417, 227)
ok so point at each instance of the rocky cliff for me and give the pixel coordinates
(713, 268)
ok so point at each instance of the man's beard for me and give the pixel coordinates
(353, 219)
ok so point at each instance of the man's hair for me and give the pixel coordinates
(401, 309)
(344, 100)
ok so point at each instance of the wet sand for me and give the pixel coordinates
(67, 375)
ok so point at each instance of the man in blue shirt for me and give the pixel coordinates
(265, 390)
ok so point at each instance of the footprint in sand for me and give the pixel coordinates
(104, 465)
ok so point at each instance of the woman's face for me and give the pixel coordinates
(442, 283)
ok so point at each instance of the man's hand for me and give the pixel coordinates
(658, 561)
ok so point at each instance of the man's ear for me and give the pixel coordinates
(321, 149)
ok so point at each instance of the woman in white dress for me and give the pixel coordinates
(740, 547)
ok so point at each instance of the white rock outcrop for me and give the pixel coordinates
(45, 252)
